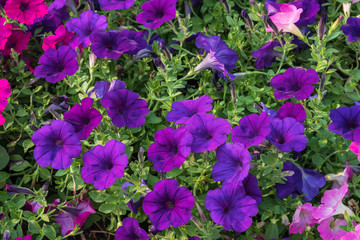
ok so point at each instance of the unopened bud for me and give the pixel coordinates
(6, 235)
(201, 212)
(14, 189)
(287, 174)
(336, 24)
(322, 82)
(285, 220)
(158, 63)
(271, 24)
(233, 92)
(141, 155)
(226, 5)
(92, 60)
(347, 8)
(322, 25)
(247, 19)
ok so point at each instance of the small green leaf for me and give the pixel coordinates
(27, 144)
(4, 158)
(107, 208)
(49, 231)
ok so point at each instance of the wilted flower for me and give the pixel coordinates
(346, 122)
(115, 4)
(25, 11)
(156, 12)
(130, 231)
(266, 55)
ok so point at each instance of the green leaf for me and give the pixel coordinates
(97, 196)
(27, 144)
(271, 232)
(4, 158)
(49, 231)
(107, 208)
(34, 227)
(4, 176)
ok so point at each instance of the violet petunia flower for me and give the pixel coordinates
(156, 12)
(312, 181)
(168, 204)
(102, 87)
(59, 103)
(83, 118)
(194, 238)
(71, 216)
(294, 82)
(302, 218)
(125, 108)
(185, 109)
(346, 122)
(170, 149)
(115, 4)
(233, 163)
(231, 207)
(27, 237)
(252, 129)
(130, 231)
(208, 133)
(136, 40)
(104, 164)
(289, 109)
(266, 55)
(287, 134)
(55, 65)
(352, 29)
(25, 11)
(250, 184)
(329, 228)
(56, 145)
(88, 22)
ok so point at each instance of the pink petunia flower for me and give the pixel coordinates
(352, 235)
(355, 147)
(61, 37)
(25, 11)
(302, 217)
(341, 178)
(5, 92)
(5, 30)
(329, 229)
(18, 40)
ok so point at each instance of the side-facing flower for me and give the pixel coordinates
(101, 87)
(289, 109)
(301, 218)
(5, 92)
(346, 122)
(115, 4)
(156, 12)
(104, 164)
(329, 228)
(266, 55)
(250, 184)
(341, 178)
(136, 40)
(134, 206)
(18, 40)
(25, 11)
(130, 231)
(168, 204)
(352, 29)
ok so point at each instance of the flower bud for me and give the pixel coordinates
(92, 60)
(336, 24)
(322, 25)
(141, 155)
(158, 63)
(285, 220)
(247, 19)
(347, 8)
(271, 24)
(14, 189)
(233, 92)
(6, 235)
(226, 5)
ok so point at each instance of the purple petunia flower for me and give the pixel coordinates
(194, 238)
(233, 163)
(104, 164)
(287, 134)
(294, 82)
(346, 122)
(56, 145)
(289, 109)
(125, 108)
(156, 12)
(208, 133)
(185, 109)
(352, 29)
(168, 204)
(136, 40)
(27, 237)
(101, 87)
(251, 189)
(266, 55)
(84, 118)
(88, 22)
(130, 231)
(71, 216)
(252, 129)
(231, 207)
(115, 4)
(134, 206)
(55, 65)
(170, 149)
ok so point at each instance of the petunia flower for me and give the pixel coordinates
(50, 22)
(59, 103)
(346, 122)
(125, 108)
(61, 37)
(134, 206)
(156, 12)
(55, 65)
(329, 228)
(266, 55)
(233, 163)
(352, 29)
(183, 110)
(104, 164)
(35, 206)
(289, 109)
(27, 237)
(5, 30)
(252, 129)
(341, 178)
(302, 218)
(231, 207)
(83, 118)
(251, 189)
(18, 40)
(208, 133)
(15, 189)
(101, 87)
(287, 134)
(168, 204)
(130, 231)
(5, 92)
(70, 216)
(170, 149)
(294, 82)
(56, 145)
(25, 11)
(115, 4)
(136, 40)
(194, 238)
(352, 235)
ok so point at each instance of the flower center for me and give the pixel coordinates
(23, 6)
(208, 137)
(59, 142)
(226, 208)
(169, 205)
(352, 126)
(280, 140)
(110, 165)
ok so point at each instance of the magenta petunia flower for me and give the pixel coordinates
(130, 231)
(168, 204)
(25, 11)
(61, 37)
(56, 145)
(71, 216)
(185, 109)
(5, 92)
(83, 118)
(233, 163)
(252, 129)
(125, 108)
(18, 40)
(329, 228)
(5, 30)
(104, 164)
(115, 4)
(156, 12)
(301, 218)
(294, 82)
(352, 235)
(55, 65)
(170, 149)
(289, 109)
(352, 29)
(208, 133)
(27, 237)
(346, 122)
(231, 207)
(266, 55)
(101, 87)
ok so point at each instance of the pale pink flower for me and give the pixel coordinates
(341, 178)
(329, 229)
(302, 217)
(352, 235)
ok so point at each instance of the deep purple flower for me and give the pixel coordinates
(251, 189)
(55, 65)
(70, 216)
(168, 204)
(156, 12)
(208, 133)
(84, 118)
(346, 122)
(185, 109)
(51, 21)
(125, 108)
(294, 82)
(287, 134)
(35, 206)
(266, 55)
(15, 189)
(104, 164)
(170, 149)
(101, 87)
(130, 231)
(252, 129)
(56, 145)
(289, 109)
(312, 182)
(88, 22)
(233, 163)
(115, 4)
(352, 29)
(134, 39)
(231, 207)
(271, 112)
(194, 238)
